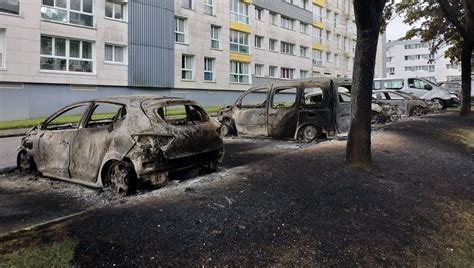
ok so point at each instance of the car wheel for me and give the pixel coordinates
(441, 102)
(375, 118)
(308, 133)
(227, 129)
(120, 176)
(25, 162)
(416, 111)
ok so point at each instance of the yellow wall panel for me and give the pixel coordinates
(320, 3)
(319, 24)
(318, 46)
(240, 27)
(234, 56)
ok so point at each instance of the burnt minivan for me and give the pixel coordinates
(304, 109)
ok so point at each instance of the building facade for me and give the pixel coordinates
(53, 52)
(412, 58)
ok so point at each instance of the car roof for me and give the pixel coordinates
(128, 99)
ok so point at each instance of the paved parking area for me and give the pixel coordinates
(28, 200)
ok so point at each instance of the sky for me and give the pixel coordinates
(396, 29)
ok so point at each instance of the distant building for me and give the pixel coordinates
(414, 58)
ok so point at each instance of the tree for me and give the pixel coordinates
(369, 19)
(445, 21)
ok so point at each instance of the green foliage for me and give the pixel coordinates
(55, 255)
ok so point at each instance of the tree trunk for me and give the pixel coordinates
(466, 58)
(368, 15)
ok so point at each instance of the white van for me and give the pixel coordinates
(419, 87)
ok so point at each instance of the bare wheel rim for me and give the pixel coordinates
(24, 161)
(310, 133)
(417, 111)
(375, 118)
(225, 129)
(119, 178)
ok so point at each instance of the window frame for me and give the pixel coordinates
(211, 71)
(236, 35)
(287, 23)
(241, 14)
(185, 68)
(287, 48)
(218, 30)
(12, 13)
(178, 32)
(68, 11)
(285, 70)
(124, 13)
(260, 67)
(210, 4)
(125, 54)
(258, 41)
(67, 55)
(239, 73)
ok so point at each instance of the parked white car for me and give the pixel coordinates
(419, 87)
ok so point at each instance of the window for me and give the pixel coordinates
(304, 4)
(287, 23)
(258, 13)
(114, 10)
(417, 83)
(304, 73)
(258, 41)
(317, 35)
(272, 44)
(104, 114)
(392, 84)
(317, 57)
(215, 37)
(349, 64)
(287, 48)
(68, 119)
(336, 60)
(338, 40)
(239, 11)
(114, 53)
(328, 57)
(2, 49)
(391, 70)
(328, 14)
(180, 30)
(304, 28)
(452, 66)
(209, 7)
(317, 13)
(239, 72)
(258, 69)
(328, 36)
(313, 96)
(239, 42)
(255, 99)
(178, 114)
(273, 18)
(284, 98)
(10, 6)
(61, 54)
(426, 68)
(187, 67)
(187, 4)
(346, 44)
(272, 71)
(209, 66)
(336, 19)
(303, 51)
(287, 73)
(78, 12)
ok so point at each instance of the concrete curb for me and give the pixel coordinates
(16, 132)
(7, 170)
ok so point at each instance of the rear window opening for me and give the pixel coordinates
(182, 114)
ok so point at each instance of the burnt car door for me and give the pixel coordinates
(283, 112)
(251, 112)
(55, 138)
(316, 109)
(343, 113)
(93, 140)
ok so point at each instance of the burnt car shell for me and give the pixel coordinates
(154, 147)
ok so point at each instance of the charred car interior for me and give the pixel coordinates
(122, 142)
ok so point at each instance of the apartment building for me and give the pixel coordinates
(413, 58)
(53, 52)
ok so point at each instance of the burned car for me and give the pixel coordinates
(407, 104)
(120, 142)
(282, 110)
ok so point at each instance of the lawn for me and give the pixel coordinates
(26, 123)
